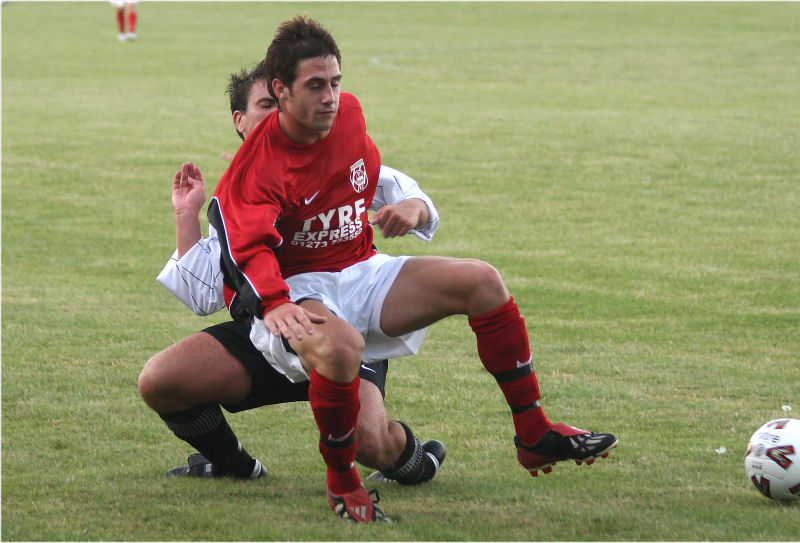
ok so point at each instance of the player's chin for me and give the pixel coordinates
(324, 121)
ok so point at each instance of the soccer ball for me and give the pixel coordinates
(773, 459)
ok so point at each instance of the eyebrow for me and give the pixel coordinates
(323, 79)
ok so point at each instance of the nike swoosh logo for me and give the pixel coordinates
(521, 364)
(309, 200)
(367, 368)
(342, 438)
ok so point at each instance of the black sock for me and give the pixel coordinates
(413, 466)
(204, 427)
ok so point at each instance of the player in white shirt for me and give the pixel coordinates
(228, 370)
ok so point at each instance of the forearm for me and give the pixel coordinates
(187, 230)
(424, 214)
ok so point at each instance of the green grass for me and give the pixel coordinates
(631, 169)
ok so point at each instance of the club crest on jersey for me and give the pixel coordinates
(358, 175)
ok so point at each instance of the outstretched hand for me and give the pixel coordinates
(188, 190)
(291, 321)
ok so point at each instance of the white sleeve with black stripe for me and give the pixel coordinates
(196, 278)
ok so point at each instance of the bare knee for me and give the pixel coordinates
(160, 384)
(333, 352)
(152, 386)
(487, 289)
(197, 369)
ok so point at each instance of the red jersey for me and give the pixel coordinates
(283, 209)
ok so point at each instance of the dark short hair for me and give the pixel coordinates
(239, 88)
(240, 84)
(295, 40)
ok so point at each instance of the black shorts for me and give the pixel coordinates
(269, 386)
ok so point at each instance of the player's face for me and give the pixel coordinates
(311, 103)
(259, 105)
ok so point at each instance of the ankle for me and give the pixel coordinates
(343, 481)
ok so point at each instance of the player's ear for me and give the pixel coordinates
(238, 121)
(279, 88)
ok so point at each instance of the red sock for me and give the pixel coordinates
(504, 349)
(131, 21)
(121, 19)
(335, 406)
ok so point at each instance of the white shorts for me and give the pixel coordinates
(355, 294)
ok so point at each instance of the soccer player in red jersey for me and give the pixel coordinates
(223, 365)
(298, 258)
(126, 12)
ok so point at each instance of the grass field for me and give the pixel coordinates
(631, 169)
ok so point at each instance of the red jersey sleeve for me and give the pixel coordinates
(244, 211)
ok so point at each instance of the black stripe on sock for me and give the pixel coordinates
(195, 421)
(511, 375)
(337, 444)
(518, 409)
